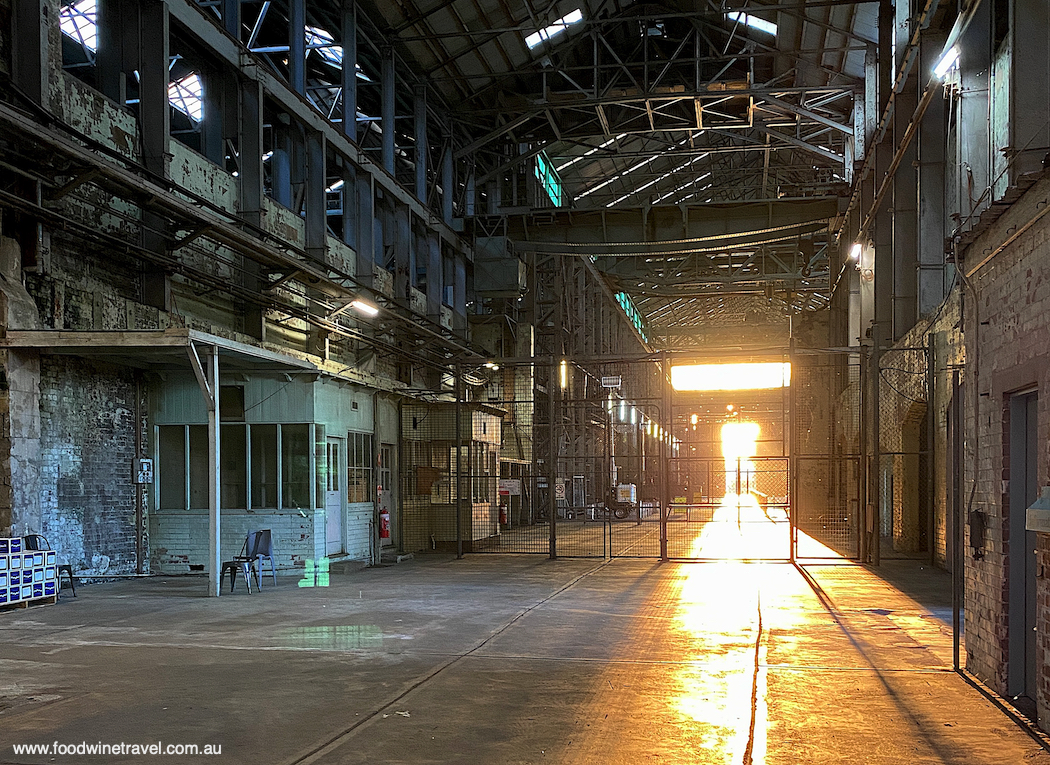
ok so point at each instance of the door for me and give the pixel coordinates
(1023, 451)
(333, 500)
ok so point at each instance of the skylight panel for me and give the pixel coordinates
(322, 41)
(80, 21)
(753, 21)
(556, 28)
(187, 95)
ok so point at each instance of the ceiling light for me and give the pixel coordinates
(362, 307)
(948, 61)
(856, 251)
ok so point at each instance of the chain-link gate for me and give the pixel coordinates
(608, 459)
(828, 447)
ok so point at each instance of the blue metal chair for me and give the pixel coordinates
(257, 550)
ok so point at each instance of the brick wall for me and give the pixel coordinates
(87, 445)
(1010, 329)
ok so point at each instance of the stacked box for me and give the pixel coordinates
(26, 574)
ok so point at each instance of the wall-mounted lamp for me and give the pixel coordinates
(856, 251)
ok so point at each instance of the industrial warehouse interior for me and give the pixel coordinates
(568, 381)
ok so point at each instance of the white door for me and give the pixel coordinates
(333, 500)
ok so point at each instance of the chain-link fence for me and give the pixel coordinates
(609, 459)
(826, 396)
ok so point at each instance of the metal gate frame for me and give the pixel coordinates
(565, 424)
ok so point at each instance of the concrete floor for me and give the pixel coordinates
(509, 659)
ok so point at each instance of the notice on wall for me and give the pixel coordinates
(510, 487)
(144, 471)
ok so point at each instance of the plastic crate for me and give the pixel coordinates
(27, 592)
(3, 594)
(37, 558)
(51, 574)
(38, 590)
(50, 558)
(4, 579)
(5, 562)
(15, 544)
(50, 588)
(38, 575)
(14, 579)
(16, 562)
(5, 546)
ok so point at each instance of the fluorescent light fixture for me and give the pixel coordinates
(753, 21)
(556, 28)
(564, 374)
(623, 410)
(746, 376)
(948, 61)
(362, 307)
(856, 251)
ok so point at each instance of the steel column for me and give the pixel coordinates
(389, 114)
(349, 69)
(297, 46)
(420, 105)
(316, 202)
(31, 49)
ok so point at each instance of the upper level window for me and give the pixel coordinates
(79, 21)
(549, 180)
(187, 95)
(556, 28)
(753, 21)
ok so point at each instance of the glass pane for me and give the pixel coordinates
(234, 467)
(295, 466)
(321, 458)
(172, 467)
(199, 467)
(264, 466)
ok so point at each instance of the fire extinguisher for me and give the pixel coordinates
(503, 515)
(384, 524)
